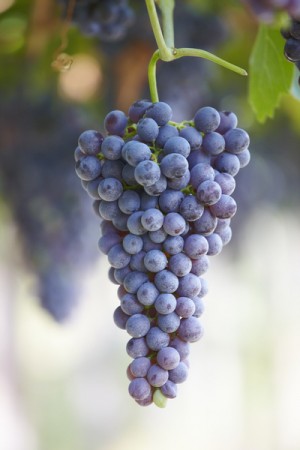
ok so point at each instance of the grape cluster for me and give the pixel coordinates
(292, 45)
(50, 218)
(163, 191)
(105, 19)
(266, 9)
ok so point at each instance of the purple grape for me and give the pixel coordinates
(180, 373)
(165, 303)
(168, 358)
(190, 330)
(207, 119)
(157, 339)
(139, 388)
(90, 142)
(115, 122)
(157, 376)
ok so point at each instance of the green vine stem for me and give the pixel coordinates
(164, 52)
(152, 76)
(165, 42)
(180, 52)
(167, 9)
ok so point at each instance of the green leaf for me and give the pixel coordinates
(271, 74)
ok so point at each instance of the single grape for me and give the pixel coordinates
(120, 318)
(111, 147)
(165, 303)
(207, 119)
(206, 224)
(189, 286)
(115, 122)
(110, 189)
(157, 339)
(168, 358)
(228, 163)
(147, 173)
(209, 192)
(132, 244)
(180, 264)
(177, 144)
(147, 129)
(195, 246)
(200, 265)
(169, 389)
(168, 322)
(166, 281)
(225, 208)
(157, 376)
(226, 182)
(155, 261)
(137, 325)
(130, 304)
(173, 244)
(152, 219)
(160, 112)
(140, 366)
(170, 200)
(185, 307)
(236, 140)
(90, 142)
(139, 388)
(215, 244)
(134, 152)
(190, 330)
(174, 165)
(129, 202)
(147, 293)
(117, 257)
(180, 373)
(88, 168)
(213, 143)
(137, 347)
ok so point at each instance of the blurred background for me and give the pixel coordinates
(63, 383)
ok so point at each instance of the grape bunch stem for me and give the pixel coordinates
(167, 51)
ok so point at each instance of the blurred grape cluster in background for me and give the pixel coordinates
(63, 384)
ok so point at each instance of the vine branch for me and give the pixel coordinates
(165, 42)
